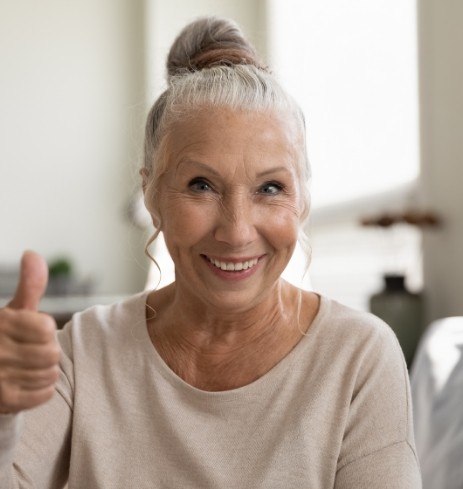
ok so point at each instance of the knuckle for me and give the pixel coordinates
(7, 316)
(6, 359)
(55, 354)
(49, 393)
(8, 396)
(20, 316)
(41, 397)
(41, 356)
(5, 372)
(40, 360)
(12, 399)
(6, 313)
(47, 327)
(35, 357)
(55, 373)
(3, 315)
(47, 357)
(33, 325)
(14, 324)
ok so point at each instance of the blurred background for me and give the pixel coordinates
(380, 82)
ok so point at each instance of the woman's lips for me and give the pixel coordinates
(233, 264)
(233, 268)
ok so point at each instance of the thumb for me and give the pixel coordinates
(32, 284)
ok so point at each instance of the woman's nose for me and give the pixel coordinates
(236, 224)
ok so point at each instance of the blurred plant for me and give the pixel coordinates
(60, 267)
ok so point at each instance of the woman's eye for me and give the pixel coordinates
(199, 185)
(271, 188)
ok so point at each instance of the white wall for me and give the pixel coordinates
(441, 84)
(72, 105)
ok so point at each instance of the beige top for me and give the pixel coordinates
(335, 412)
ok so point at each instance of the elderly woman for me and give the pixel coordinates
(230, 377)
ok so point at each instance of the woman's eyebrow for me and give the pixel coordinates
(273, 170)
(203, 166)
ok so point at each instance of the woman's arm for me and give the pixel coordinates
(35, 444)
(36, 388)
(394, 466)
(378, 449)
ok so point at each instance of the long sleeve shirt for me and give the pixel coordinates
(333, 413)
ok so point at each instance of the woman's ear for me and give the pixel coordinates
(156, 222)
(144, 175)
(149, 203)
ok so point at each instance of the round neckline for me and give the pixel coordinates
(250, 389)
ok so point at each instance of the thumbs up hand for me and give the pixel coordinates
(29, 350)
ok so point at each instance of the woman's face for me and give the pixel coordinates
(230, 204)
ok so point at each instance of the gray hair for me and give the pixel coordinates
(211, 64)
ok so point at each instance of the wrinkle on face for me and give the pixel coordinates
(237, 152)
(191, 136)
(234, 188)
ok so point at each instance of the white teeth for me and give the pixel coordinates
(233, 267)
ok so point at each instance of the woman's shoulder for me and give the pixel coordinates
(354, 330)
(105, 323)
(347, 318)
(111, 314)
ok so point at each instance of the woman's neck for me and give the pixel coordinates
(188, 317)
(214, 350)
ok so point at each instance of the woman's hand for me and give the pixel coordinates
(29, 349)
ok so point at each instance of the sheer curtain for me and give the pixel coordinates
(352, 66)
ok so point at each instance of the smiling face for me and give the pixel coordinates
(230, 204)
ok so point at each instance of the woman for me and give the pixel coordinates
(230, 377)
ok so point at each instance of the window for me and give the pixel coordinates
(352, 66)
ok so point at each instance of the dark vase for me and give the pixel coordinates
(402, 310)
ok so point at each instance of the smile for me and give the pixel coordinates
(233, 266)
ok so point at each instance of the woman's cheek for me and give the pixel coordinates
(282, 225)
(281, 218)
(188, 217)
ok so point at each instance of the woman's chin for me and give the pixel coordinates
(235, 301)
(228, 291)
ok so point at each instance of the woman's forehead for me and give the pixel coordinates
(204, 123)
(224, 134)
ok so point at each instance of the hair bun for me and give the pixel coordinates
(207, 42)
